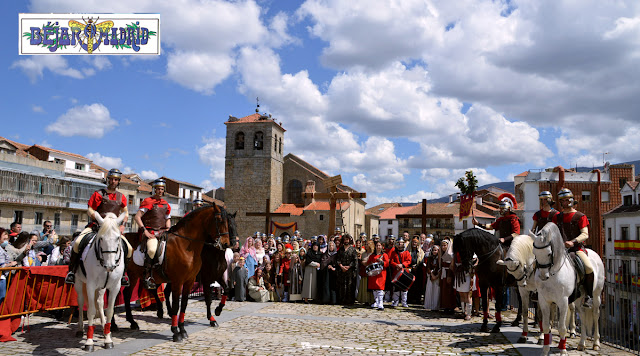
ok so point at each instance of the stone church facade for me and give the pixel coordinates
(255, 170)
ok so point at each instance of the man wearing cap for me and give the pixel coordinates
(103, 201)
(153, 217)
(400, 260)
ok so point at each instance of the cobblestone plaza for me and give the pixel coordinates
(290, 329)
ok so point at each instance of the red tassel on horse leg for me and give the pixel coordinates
(90, 331)
(547, 339)
(498, 316)
(174, 320)
(181, 320)
(107, 328)
(212, 318)
(223, 300)
(563, 344)
(524, 333)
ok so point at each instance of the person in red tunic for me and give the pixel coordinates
(376, 283)
(401, 260)
(153, 217)
(389, 250)
(285, 268)
(546, 213)
(574, 227)
(103, 201)
(507, 225)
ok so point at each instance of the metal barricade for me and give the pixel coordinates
(619, 320)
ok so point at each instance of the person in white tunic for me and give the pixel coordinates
(432, 291)
(257, 289)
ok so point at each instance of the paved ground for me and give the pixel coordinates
(289, 329)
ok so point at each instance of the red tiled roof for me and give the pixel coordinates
(21, 148)
(209, 200)
(376, 210)
(290, 208)
(324, 205)
(523, 174)
(253, 118)
(633, 185)
(390, 213)
(181, 182)
(48, 149)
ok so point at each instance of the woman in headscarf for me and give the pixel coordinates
(327, 278)
(295, 279)
(432, 291)
(295, 247)
(322, 243)
(447, 292)
(260, 252)
(346, 267)
(365, 294)
(248, 251)
(271, 247)
(414, 296)
(276, 278)
(310, 281)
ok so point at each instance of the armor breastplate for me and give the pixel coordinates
(155, 218)
(571, 229)
(109, 206)
(543, 221)
(505, 229)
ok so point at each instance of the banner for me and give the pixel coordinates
(466, 205)
(85, 34)
(275, 226)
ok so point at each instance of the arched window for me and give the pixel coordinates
(275, 143)
(258, 141)
(280, 144)
(240, 141)
(294, 192)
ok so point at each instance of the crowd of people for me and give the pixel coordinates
(342, 270)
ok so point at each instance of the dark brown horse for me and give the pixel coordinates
(206, 226)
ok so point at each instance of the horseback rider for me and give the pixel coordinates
(198, 203)
(507, 225)
(153, 217)
(574, 227)
(546, 213)
(102, 201)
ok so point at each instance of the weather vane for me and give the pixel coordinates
(257, 104)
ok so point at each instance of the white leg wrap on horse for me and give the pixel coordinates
(152, 246)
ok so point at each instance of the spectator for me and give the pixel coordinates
(56, 258)
(377, 282)
(295, 278)
(41, 247)
(390, 250)
(276, 276)
(49, 235)
(463, 286)
(447, 293)
(66, 255)
(285, 267)
(271, 247)
(346, 264)
(269, 282)
(417, 269)
(8, 252)
(280, 248)
(33, 257)
(364, 292)
(248, 251)
(16, 229)
(264, 261)
(400, 261)
(260, 252)
(322, 243)
(310, 280)
(432, 290)
(257, 289)
(295, 247)
(327, 279)
(240, 279)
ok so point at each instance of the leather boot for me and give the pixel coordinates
(147, 280)
(588, 286)
(124, 281)
(73, 264)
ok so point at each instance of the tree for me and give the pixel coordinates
(467, 184)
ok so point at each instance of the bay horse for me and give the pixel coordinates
(488, 249)
(557, 283)
(520, 263)
(102, 270)
(205, 226)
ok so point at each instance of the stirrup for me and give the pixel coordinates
(124, 281)
(70, 278)
(149, 283)
(588, 302)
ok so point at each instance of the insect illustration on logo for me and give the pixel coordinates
(90, 31)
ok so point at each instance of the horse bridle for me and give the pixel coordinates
(551, 256)
(99, 252)
(219, 234)
(512, 271)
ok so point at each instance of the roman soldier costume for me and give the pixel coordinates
(546, 214)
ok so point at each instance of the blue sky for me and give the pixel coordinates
(399, 98)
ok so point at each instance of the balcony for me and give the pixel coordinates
(626, 247)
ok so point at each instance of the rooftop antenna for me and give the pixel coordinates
(257, 104)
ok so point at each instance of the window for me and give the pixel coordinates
(294, 192)
(638, 237)
(275, 143)
(389, 232)
(605, 197)
(130, 202)
(17, 216)
(58, 161)
(321, 217)
(280, 145)
(622, 182)
(240, 141)
(258, 139)
(586, 195)
(464, 224)
(609, 234)
(627, 200)
(74, 222)
(38, 218)
(390, 222)
(21, 185)
(56, 220)
(80, 166)
(624, 233)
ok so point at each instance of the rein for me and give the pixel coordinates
(488, 254)
(99, 252)
(550, 264)
(214, 244)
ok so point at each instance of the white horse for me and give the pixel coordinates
(104, 266)
(556, 281)
(520, 263)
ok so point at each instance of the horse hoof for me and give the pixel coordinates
(522, 340)
(218, 310)
(184, 334)
(114, 327)
(572, 335)
(484, 328)
(596, 347)
(540, 341)
(177, 337)
(160, 314)
(580, 347)
(79, 334)
(515, 322)
(134, 326)
(496, 329)
(213, 323)
(88, 348)
(108, 345)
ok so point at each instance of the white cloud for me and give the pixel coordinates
(148, 175)
(35, 66)
(212, 154)
(200, 72)
(105, 161)
(88, 120)
(37, 108)
(374, 199)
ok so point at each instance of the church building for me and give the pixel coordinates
(257, 174)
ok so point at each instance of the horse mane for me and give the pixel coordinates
(108, 224)
(552, 232)
(477, 234)
(521, 249)
(192, 215)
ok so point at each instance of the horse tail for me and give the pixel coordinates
(588, 321)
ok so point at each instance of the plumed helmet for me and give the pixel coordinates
(264, 235)
(115, 173)
(159, 183)
(270, 236)
(278, 239)
(507, 202)
(505, 205)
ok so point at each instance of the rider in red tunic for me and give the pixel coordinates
(546, 213)
(574, 227)
(153, 217)
(507, 225)
(102, 201)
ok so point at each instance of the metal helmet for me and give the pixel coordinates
(565, 193)
(199, 202)
(545, 195)
(505, 204)
(286, 238)
(115, 173)
(429, 236)
(159, 183)
(257, 234)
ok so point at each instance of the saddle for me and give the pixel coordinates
(140, 253)
(578, 267)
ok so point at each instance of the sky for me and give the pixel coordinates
(399, 97)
